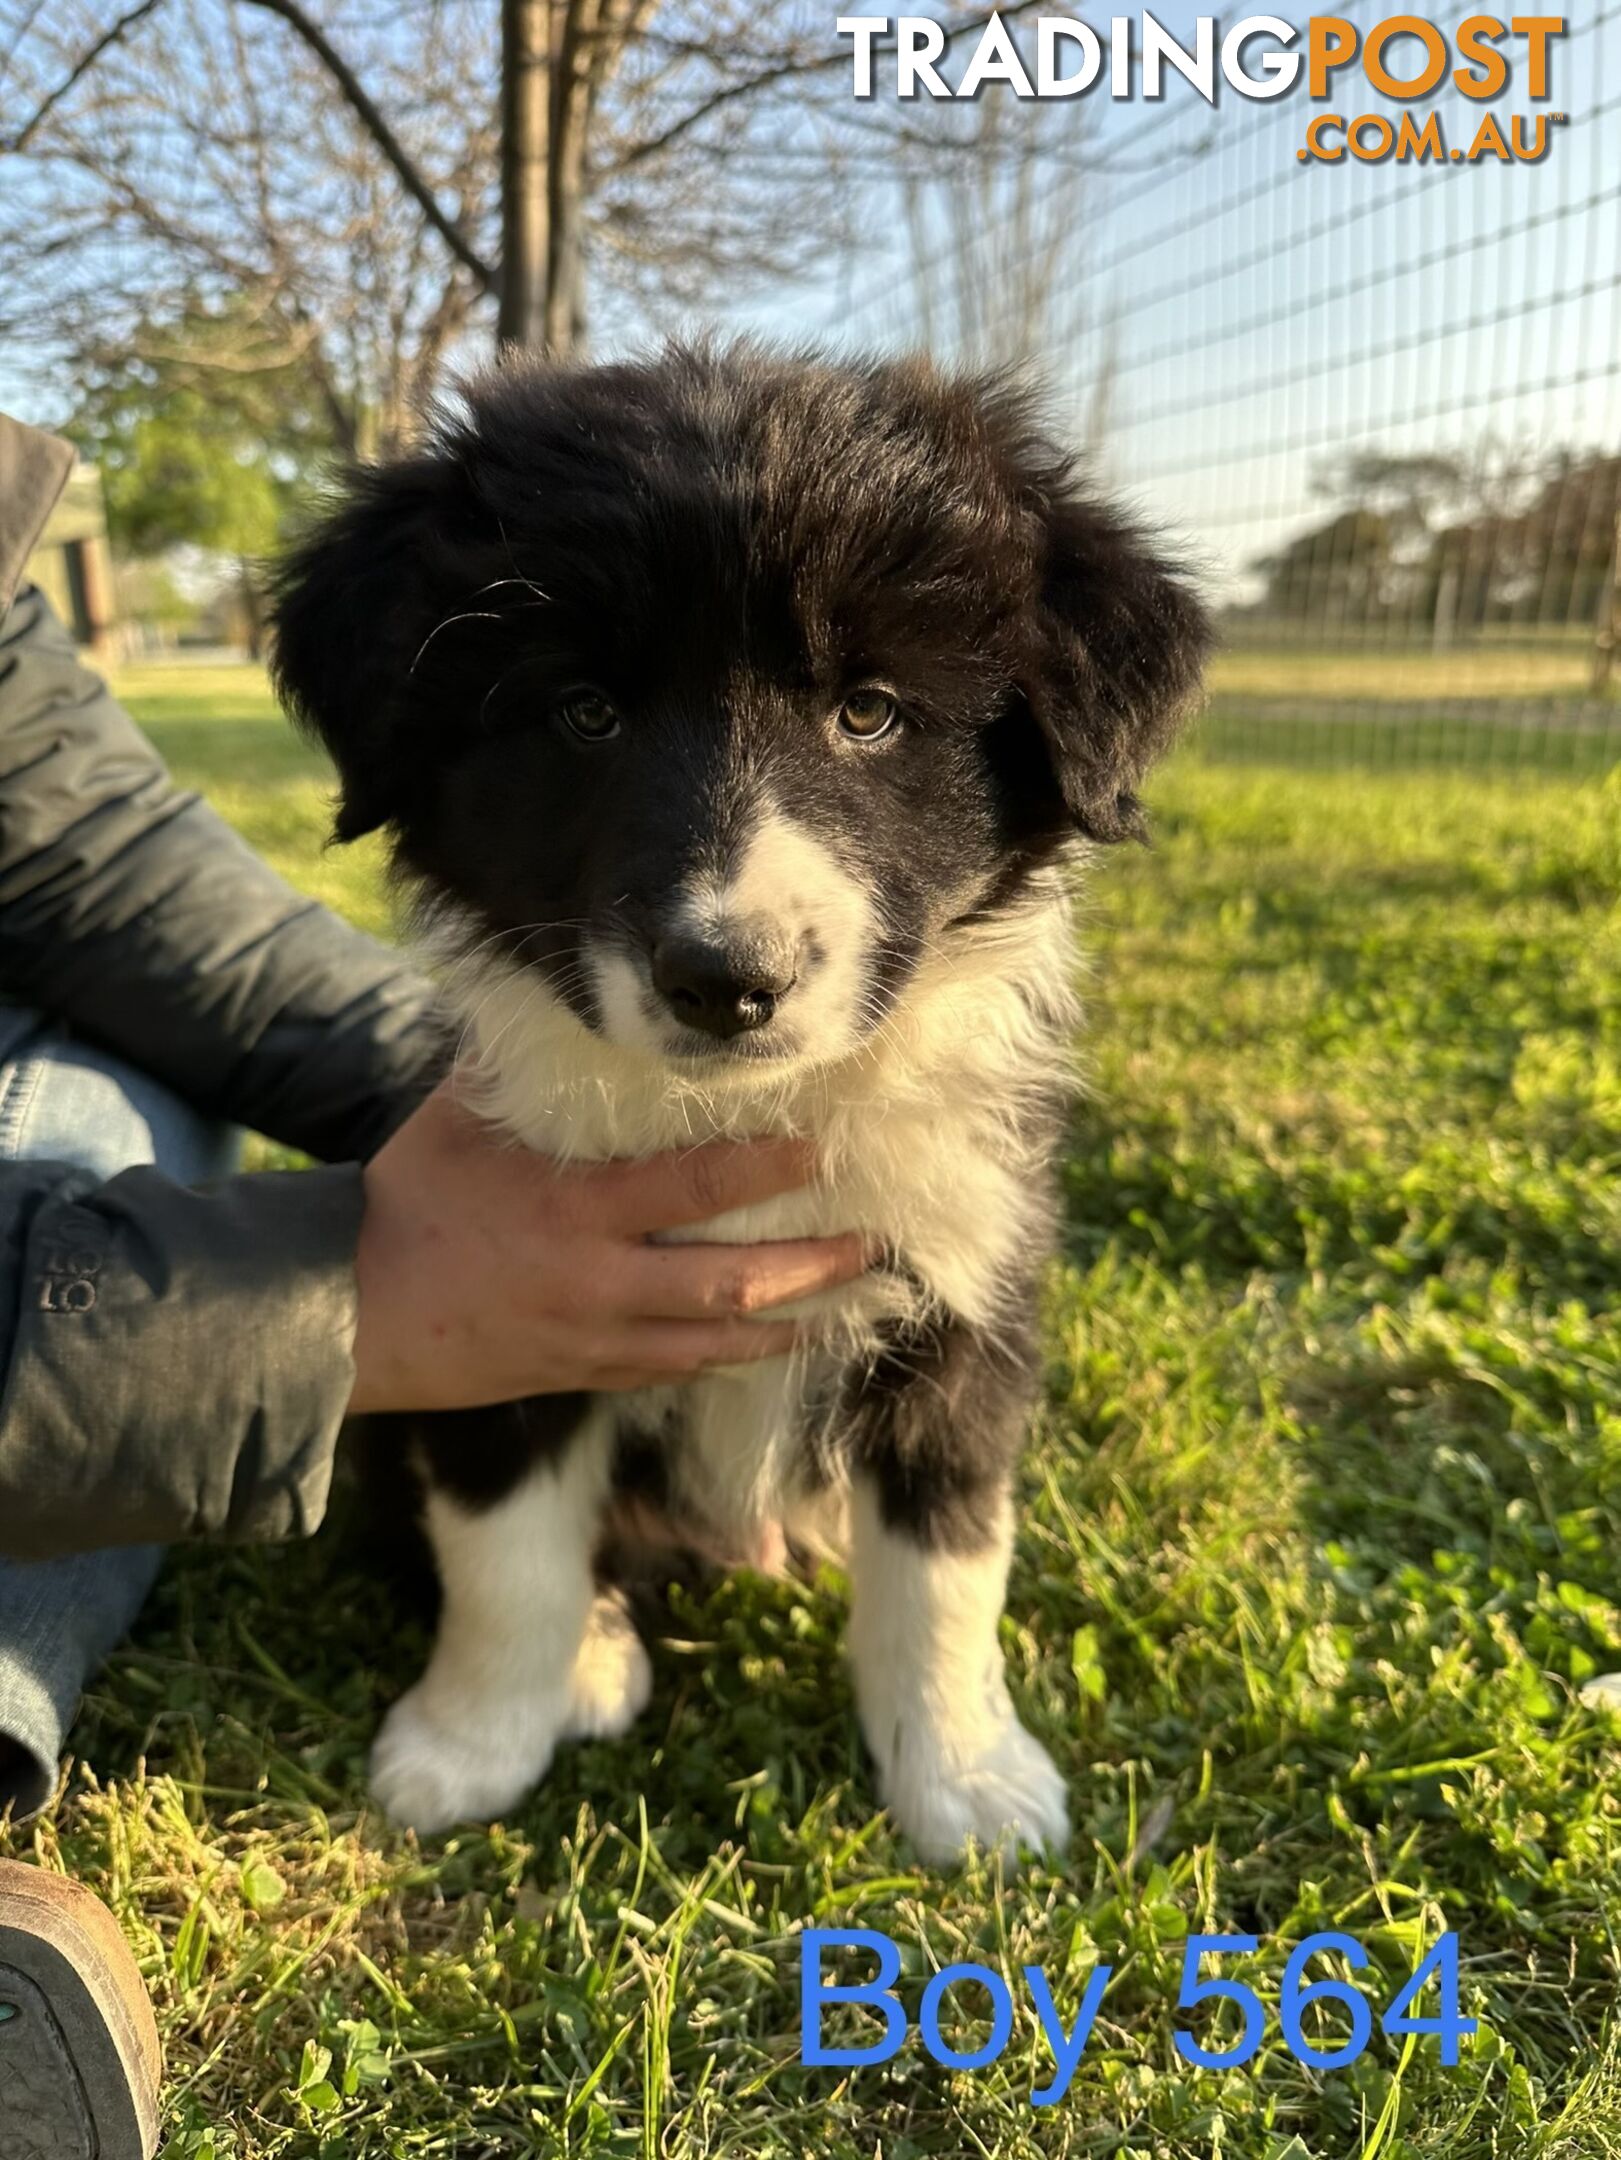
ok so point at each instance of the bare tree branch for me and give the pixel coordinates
(769, 76)
(76, 74)
(337, 189)
(383, 135)
(696, 115)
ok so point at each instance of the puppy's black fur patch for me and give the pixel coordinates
(722, 543)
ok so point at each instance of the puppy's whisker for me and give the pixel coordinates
(518, 576)
(498, 685)
(464, 960)
(449, 623)
(526, 584)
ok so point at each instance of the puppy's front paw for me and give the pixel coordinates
(429, 1770)
(1005, 1791)
(612, 1681)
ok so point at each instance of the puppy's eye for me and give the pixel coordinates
(868, 715)
(588, 714)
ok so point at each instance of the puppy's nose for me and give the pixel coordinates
(723, 988)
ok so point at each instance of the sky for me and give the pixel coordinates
(1227, 319)
(1265, 316)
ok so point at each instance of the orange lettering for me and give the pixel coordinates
(1395, 26)
(1329, 51)
(1536, 30)
(1475, 38)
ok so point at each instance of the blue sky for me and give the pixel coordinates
(1267, 314)
(1255, 316)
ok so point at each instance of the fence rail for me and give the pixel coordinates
(1580, 740)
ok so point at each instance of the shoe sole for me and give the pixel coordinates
(79, 2056)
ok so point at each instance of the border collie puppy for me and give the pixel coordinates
(736, 718)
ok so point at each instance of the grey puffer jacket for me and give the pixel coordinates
(174, 1362)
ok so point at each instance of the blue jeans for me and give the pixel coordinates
(61, 1101)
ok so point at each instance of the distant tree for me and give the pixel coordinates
(150, 595)
(1340, 573)
(1408, 490)
(1570, 530)
(1441, 540)
(193, 454)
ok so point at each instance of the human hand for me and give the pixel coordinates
(487, 1272)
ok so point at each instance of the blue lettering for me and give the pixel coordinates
(880, 1992)
(1068, 2048)
(928, 2016)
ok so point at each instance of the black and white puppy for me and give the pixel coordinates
(736, 718)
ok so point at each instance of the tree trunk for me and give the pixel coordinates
(253, 607)
(1607, 625)
(574, 62)
(526, 51)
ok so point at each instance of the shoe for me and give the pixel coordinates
(79, 2057)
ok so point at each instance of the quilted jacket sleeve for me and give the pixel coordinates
(131, 910)
(175, 1361)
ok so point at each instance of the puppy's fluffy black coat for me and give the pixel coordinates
(733, 715)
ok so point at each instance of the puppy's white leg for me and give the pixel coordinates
(480, 1726)
(613, 1676)
(953, 1760)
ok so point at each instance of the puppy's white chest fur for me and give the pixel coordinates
(926, 1137)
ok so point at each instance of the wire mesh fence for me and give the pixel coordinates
(1381, 396)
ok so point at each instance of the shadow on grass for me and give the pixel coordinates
(1410, 1454)
(1219, 1209)
(264, 1674)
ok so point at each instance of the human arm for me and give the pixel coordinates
(177, 1362)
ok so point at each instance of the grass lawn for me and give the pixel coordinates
(1322, 1532)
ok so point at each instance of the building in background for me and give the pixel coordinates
(73, 564)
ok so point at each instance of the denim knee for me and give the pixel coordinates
(62, 1100)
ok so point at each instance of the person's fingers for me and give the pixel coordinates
(664, 1350)
(665, 1192)
(697, 1282)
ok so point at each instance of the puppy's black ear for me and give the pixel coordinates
(353, 602)
(1121, 640)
